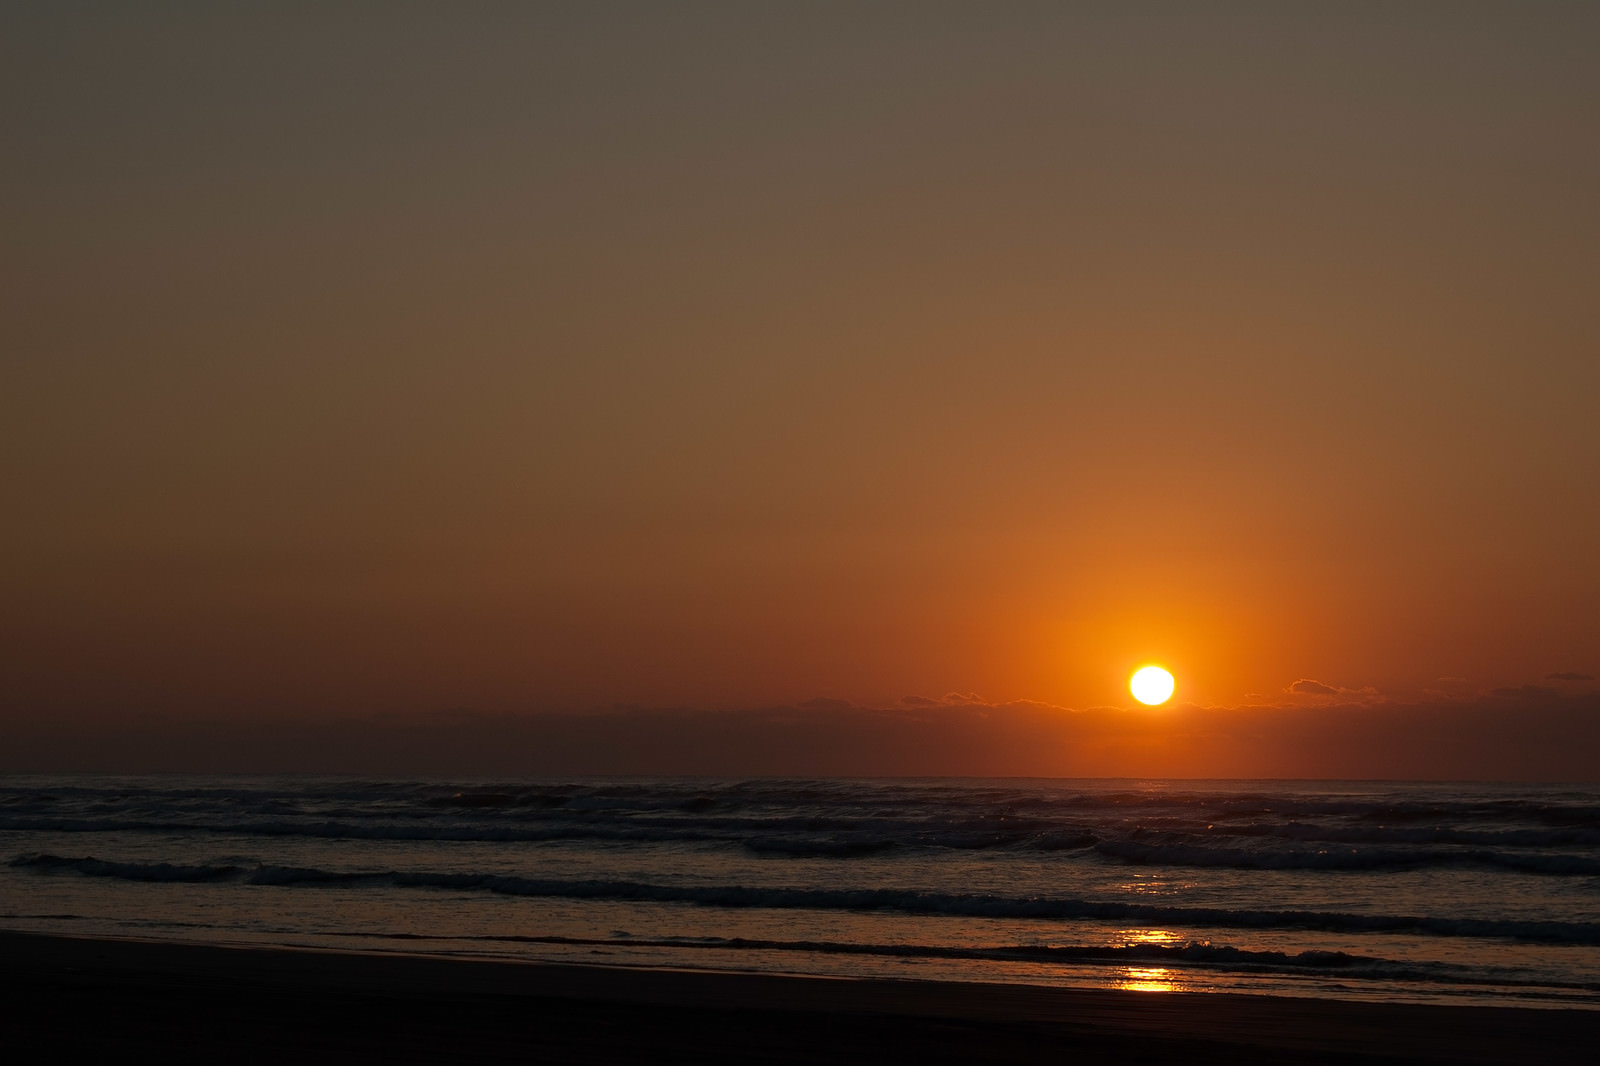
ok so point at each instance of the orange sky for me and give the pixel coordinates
(398, 360)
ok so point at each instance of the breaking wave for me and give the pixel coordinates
(1132, 851)
(840, 899)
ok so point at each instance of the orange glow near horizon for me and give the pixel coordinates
(509, 366)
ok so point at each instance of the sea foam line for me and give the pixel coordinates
(1347, 850)
(841, 899)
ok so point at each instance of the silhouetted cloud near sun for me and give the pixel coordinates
(1525, 692)
(949, 699)
(1311, 688)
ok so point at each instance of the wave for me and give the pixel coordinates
(774, 836)
(1193, 954)
(802, 848)
(508, 834)
(1194, 951)
(1391, 801)
(1385, 805)
(1346, 859)
(1375, 829)
(840, 899)
(816, 838)
(1308, 832)
(164, 872)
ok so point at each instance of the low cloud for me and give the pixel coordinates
(1567, 676)
(826, 703)
(1311, 688)
(949, 699)
(1525, 692)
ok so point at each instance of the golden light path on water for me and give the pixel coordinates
(1149, 978)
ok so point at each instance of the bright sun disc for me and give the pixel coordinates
(1152, 685)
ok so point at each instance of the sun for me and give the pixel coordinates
(1152, 685)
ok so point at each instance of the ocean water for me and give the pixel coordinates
(1421, 892)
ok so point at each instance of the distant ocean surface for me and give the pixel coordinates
(1422, 892)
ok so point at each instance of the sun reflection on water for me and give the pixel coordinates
(1147, 979)
(1146, 884)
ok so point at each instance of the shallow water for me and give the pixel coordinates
(1441, 892)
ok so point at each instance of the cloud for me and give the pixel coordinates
(1307, 687)
(1568, 676)
(1524, 692)
(949, 699)
(1310, 688)
(826, 703)
(1445, 688)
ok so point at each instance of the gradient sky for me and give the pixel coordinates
(389, 359)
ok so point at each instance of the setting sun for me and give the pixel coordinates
(1152, 685)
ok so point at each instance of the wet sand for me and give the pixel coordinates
(188, 1002)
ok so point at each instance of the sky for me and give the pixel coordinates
(617, 382)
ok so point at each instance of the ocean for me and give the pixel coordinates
(1460, 893)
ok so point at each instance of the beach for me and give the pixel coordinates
(190, 1002)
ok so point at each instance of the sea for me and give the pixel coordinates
(1426, 892)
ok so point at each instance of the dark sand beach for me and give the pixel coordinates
(192, 1002)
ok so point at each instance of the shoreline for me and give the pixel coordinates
(264, 1003)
